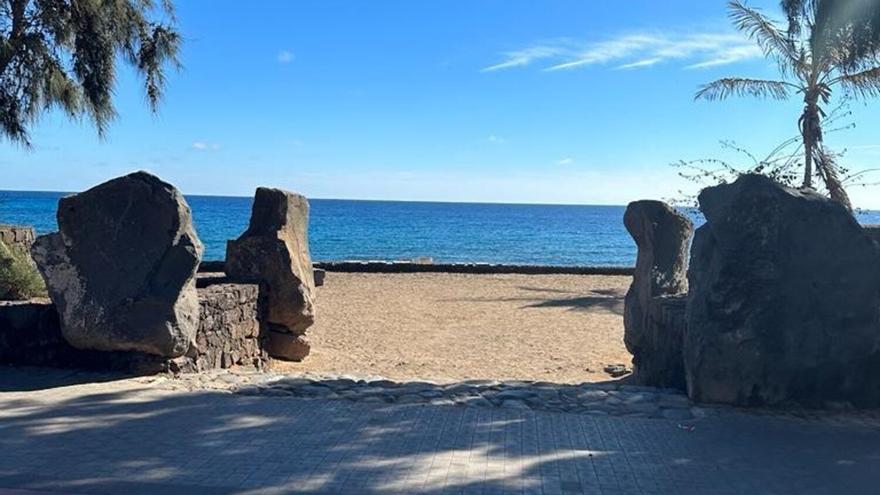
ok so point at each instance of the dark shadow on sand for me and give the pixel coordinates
(599, 300)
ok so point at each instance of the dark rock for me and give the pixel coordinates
(286, 345)
(873, 232)
(121, 269)
(784, 301)
(228, 335)
(616, 370)
(662, 235)
(274, 251)
(660, 362)
(319, 275)
(30, 333)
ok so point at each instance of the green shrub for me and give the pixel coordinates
(19, 278)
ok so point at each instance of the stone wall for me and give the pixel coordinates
(228, 335)
(17, 236)
(229, 331)
(30, 335)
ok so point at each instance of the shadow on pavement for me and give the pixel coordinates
(100, 440)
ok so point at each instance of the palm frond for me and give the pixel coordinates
(865, 84)
(772, 39)
(794, 12)
(738, 86)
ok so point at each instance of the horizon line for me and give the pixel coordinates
(366, 200)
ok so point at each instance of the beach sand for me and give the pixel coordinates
(450, 327)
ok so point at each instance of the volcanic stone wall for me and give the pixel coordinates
(229, 329)
(228, 335)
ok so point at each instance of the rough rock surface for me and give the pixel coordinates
(596, 399)
(17, 237)
(286, 345)
(652, 320)
(121, 269)
(228, 335)
(784, 302)
(30, 335)
(873, 232)
(274, 251)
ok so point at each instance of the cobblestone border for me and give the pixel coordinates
(600, 399)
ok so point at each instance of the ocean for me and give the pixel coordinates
(396, 230)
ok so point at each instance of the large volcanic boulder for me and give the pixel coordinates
(121, 269)
(784, 302)
(274, 251)
(654, 304)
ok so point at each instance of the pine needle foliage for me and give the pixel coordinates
(65, 53)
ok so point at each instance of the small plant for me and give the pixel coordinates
(19, 278)
(782, 164)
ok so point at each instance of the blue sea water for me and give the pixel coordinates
(394, 230)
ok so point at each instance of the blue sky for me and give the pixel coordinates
(486, 100)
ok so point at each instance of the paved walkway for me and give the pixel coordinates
(139, 436)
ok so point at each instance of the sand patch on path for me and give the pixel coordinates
(450, 327)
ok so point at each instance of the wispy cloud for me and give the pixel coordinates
(641, 63)
(203, 146)
(729, 56)
(526, 56)
(634, 51)
(285, 56)
(496, 139)
(566, 161)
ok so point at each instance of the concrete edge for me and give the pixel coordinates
(471, 268)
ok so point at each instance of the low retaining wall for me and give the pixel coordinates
(30, 335)
(474, 268)
(17, 237)
(229, 329)
(228, 335)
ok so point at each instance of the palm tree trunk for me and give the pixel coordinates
(808, 161)
(811, 131)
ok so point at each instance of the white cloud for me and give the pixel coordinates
(496, 139)
(730, 56)
(285, 56)
(634, 51)
(566, 161)
(526, 56)
(203, 146)
(641, 63)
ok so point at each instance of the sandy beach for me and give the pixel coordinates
(444, 327)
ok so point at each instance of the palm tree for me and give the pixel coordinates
(827, 44)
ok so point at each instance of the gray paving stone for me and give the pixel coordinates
(146, 436)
